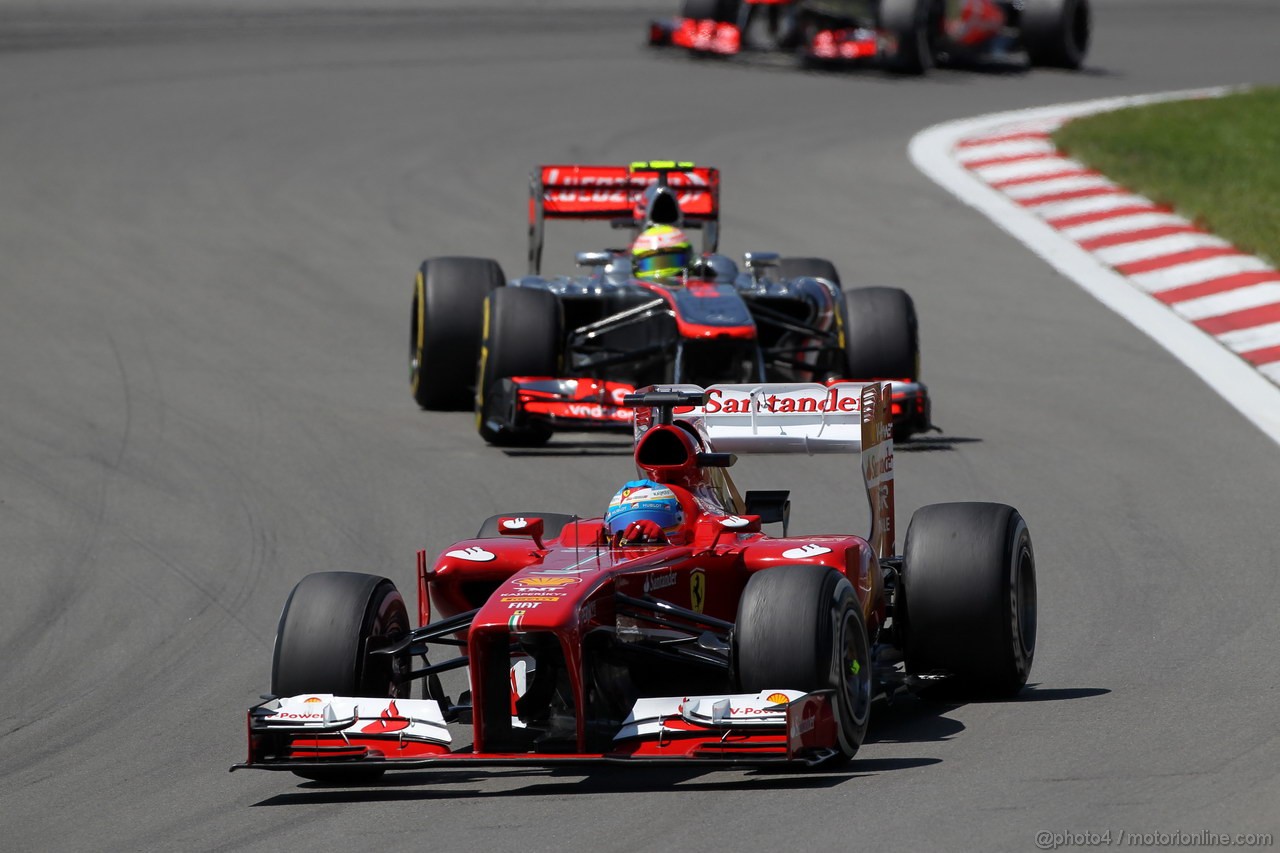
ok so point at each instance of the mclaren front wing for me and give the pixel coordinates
(591, 404)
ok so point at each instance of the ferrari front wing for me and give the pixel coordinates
(324, 731)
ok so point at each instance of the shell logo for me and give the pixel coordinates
(778, 699)
(543, 582)
(310, 699)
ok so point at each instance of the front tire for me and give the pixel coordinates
(445, 328)
(522, 338)
(1055, 33)
(917, 25)
(969, 584)
(322, 645)
(802, 628)
(882, 336)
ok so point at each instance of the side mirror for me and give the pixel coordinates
(715, 460)
(761, 260)
(593, 259)
(521, 526)
(740, 524)
(757, 262)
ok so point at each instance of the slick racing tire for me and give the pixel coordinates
(1055, 33)
(969, 585)
(444, 334)
(917, 27)
(789, 268)
(322, 641)
(881, 334)
(522, 338)
(802, 628)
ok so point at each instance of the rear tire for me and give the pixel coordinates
(969, 584)
(789, 268)
(445, 328)
(917, 25)
(322, 646)
(882, 336)
(523, 338)
(1055, 33)
(801, 628)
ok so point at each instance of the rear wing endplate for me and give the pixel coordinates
(622, 195)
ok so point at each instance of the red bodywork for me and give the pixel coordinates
(970, 25)
(527, 589)
(610, 192)
(591, 404)
(567, 588)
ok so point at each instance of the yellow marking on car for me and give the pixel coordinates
(484, 357)
(420, 292)
(650, 165)
(698, 589)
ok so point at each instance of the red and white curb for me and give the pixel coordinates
(1213, 307)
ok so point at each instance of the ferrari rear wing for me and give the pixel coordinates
(654, 191)
(844, 417)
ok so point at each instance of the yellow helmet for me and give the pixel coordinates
(661, 251)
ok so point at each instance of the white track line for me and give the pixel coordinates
(943, 152)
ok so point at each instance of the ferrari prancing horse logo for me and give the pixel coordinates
(698, 589)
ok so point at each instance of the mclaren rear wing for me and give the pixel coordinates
(845, 417)
(654, 191)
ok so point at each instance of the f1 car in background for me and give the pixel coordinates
(716, 644)
(560, 352)
(905, 36)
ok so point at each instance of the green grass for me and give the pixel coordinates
(1216, 161)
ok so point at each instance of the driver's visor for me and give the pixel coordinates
(665, 263)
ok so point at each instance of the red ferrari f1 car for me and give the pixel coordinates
(905, 36)
(707, 642)
(560, 352)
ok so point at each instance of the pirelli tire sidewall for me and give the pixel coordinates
(1056, 33)
(327, 628)
(802, 628)
(324, 632)
(522, 335)
(882, 334)
(969, 598)
(917, 26)
(445, 329)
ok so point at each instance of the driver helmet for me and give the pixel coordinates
(661, 251)
(641, 500)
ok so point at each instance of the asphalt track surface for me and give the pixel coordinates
(209, 220)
